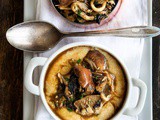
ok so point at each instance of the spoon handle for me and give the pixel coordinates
(134, 32)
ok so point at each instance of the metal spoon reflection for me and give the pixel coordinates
(38, 36)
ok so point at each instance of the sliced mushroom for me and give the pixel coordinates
(69, 15)
(111, 79)
(59, 101)
(106, 97)
(68, 93)
(83, 6)
(101, 86)
(81, 9)
(112, 2)
(89, 105)
(106, 93)
(85, 78)
(106, 86)
(61, 79)
(96, 60)
(98, 9)
(105, 75)
(91, 63)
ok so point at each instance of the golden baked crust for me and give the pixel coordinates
(61, 65)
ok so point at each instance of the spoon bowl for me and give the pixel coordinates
(33, 36)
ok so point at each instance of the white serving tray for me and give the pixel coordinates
(145, 72)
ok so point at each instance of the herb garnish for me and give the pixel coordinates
(71, 100)
(67, 79)
(96, 3)
(69, 109)
(79, 61)
(82, 95)
(64, 102)
(56, 104)
(79, 12)
(79, 18)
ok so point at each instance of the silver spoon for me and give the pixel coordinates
(38, 36)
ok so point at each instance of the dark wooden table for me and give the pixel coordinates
(11, 63)
(156, 62)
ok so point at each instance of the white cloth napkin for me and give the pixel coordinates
(132, 12)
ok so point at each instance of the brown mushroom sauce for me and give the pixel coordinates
(87, 87)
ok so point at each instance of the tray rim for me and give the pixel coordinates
(28, 56)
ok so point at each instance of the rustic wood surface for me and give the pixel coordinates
(156, 62)
(11, 63)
